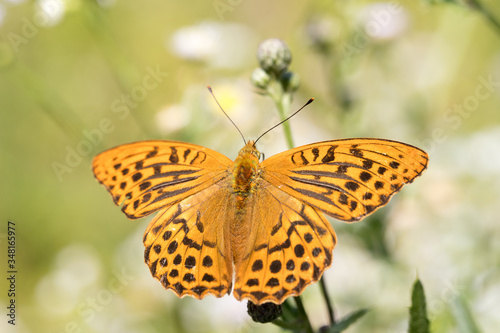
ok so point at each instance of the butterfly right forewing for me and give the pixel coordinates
(347, 179)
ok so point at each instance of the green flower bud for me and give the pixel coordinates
(263, 313)
(290, 81)
(274, 55)
(260, 78)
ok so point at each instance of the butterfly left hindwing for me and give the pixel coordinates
(188, 246)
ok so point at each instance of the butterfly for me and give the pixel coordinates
(257, 225)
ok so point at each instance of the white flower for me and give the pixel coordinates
(49, 12)
(76, 268)
(172, 118)
(384, 21)
(222, 45)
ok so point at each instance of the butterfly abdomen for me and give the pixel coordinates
(244, 182)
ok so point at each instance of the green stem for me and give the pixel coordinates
(284, 105)
(124, 71)
(477, 5)
(284, 324)
(303, 314)
(283, 102)
(331, 314)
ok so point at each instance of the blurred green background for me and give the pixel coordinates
(78, 77)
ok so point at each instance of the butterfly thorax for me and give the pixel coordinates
(245, 170)
(244, 182)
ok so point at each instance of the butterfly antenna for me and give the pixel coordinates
(232, 122)
(281, 122)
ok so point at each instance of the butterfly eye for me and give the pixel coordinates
(256, 153)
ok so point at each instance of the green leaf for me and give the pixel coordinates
(419, 323)
(347, 321)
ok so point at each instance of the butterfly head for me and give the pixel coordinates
(250, 151)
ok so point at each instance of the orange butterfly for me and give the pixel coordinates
(260, 223)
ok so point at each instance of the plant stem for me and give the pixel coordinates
(284, 105)
(283, 102)
(303, 314)
(331, 314)
(477, 5)
(123, 70)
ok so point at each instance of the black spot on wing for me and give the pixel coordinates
(173, 155)
(394, 164)
(365, 176)
(315, 152)
(153, 153)
(356, 152)
(330, 155)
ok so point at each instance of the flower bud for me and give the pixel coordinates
(274, 55)
(263, 313)
(260, 78)
(290, 81)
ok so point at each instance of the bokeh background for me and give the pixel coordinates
(78, 77)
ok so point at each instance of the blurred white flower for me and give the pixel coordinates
(172, 118)
(76, 267)
(49, 12)
(487, 289)
(195, 42)
(222, 45)
(477, 155)
(197, 106)
(384, 21)
(235, 97)
(224, 314)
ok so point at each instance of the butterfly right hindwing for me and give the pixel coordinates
(289, 247)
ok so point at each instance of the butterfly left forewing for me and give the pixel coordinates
(149, 175)
(347, 179)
